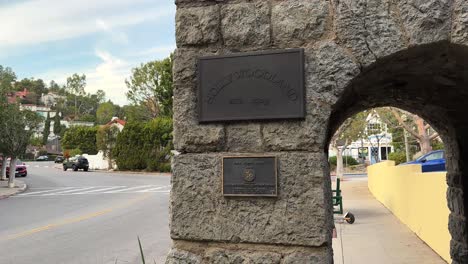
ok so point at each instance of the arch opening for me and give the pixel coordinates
(432, 82)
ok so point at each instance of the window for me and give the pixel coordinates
(374, 127)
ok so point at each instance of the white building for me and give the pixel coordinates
(375, 147)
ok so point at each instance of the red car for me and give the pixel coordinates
(21, 169)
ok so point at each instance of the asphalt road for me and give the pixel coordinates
(85, 217)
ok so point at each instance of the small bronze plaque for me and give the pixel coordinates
(250, 176)
(252, 86)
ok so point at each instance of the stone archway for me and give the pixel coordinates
(358, 54)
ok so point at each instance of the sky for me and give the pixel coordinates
(103, 39)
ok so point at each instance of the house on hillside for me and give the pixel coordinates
(119, 123)
(51, 99)
(14, 97)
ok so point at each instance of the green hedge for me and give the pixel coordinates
(82, 138)
(144, 146)
(349, 160)
(398, 157)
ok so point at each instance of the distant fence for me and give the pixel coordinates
(98, 162)
(417, 199)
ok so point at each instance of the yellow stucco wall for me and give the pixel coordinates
(417, 199)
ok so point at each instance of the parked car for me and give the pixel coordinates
(432, 161)
(21, 169)
(59, 159)
(76, 163)
(42, 158)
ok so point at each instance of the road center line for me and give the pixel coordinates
(75, 220)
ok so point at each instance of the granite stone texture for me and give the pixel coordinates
(368, 29)
(197, 25)
(460, 22)
(246, 24)
(299, 21)
(221, 256)
(176, 256)
(358, 54)
(200, 212)
(426, 21)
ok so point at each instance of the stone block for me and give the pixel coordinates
(295, 22)
(369, 29)
(460, 22)
(458, 251)
(176, 256)
(455, 200)
(189, 135)
(197, 3)
(245, 24)
(222, 256)
(426, 21)
(300, 258)
(329, 70)
(201, 213)
(457, 227)
(244, 137)
(197, 25)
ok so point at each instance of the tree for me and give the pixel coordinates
(7, 78)
(105, 112)
(36, 89)
(151, 85)
(46, 132)
(136, 113)
(57, 126)
(16, 128)
(418, 129)
(75, 86)
(414, 125)
(106, 139)
(351, 130)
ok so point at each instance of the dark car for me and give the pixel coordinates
(59, 159)
(77, 163)
(21, 169)
(432, 161)
(42, 158)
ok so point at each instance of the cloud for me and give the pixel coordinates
(156, 52)
(39, 21)
(116, 36)
(110, 73)
(109, 76)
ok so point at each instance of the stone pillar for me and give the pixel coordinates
(206, 227)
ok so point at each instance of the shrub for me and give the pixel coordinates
(144, 146)
(129, 151)
(82, 138)
(347, 160)
(398, 157)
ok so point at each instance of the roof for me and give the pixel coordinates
(118, 121)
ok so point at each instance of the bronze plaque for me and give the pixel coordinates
(251, 86)
(250, 176)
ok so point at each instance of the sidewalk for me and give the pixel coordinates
(377, 236)
(6, 192)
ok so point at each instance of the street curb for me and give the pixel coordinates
(18, 191)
